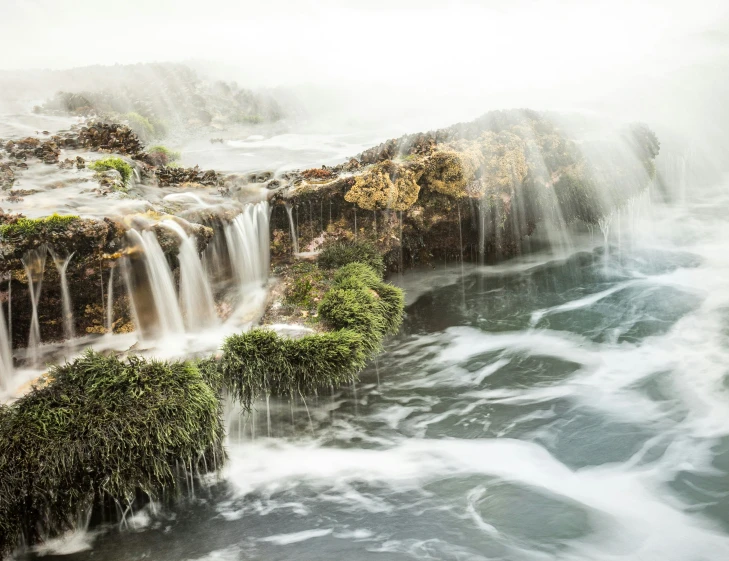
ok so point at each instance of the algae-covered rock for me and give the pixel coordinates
(101, 431)
(355, 314)
(472, 190)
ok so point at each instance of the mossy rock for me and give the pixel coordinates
(360, 309)
(101, 431)
(105, 164)
(338, 254)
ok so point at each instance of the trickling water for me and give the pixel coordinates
(69, 330)
(196, 296)
(294, 237)
(34, 263)
(6, 357)
(168, 315)
(110, 303)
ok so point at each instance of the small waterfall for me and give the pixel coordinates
(6, 357)
(110, 303)
(34, 263)
(161, 283)
(196, 296)
(69, 331)
(247, 237)
(294, 237)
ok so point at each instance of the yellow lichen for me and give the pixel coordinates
(386, 185)
(504, 164)
(452, 168)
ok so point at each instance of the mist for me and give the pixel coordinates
(410, 64)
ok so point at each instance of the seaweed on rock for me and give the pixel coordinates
(101, 430)
(340, 253)
(359, 308)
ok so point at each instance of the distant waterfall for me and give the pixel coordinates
(6, 357)
(247, 237)
(196, 296)
(161, 283)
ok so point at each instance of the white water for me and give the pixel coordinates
(69, 331)
(292, 226)
(169, 316)
(196, 296)
(6, 357)
(110, 302)
(247, 237)
(35, 264)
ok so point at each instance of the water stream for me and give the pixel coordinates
(565, 407)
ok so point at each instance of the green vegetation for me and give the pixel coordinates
(101, 431)
(162, 156)
(359, 308)
(339, 254)
(308, 281)
(105, 164)
(24, 227)
(141, 125)
(260, 362)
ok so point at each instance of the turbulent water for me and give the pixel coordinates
(570, 407)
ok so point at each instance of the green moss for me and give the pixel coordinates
(307, 282)
(339, 254)
(102, 431)
(105, 164)
(141, 125)
(359, 308)
(260, 362)
(24, 227)
(169, 155)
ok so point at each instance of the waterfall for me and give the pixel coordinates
(110, 303)
(69, 331)
(34, 263)
(6, 357)
(247, 237)
(196, 296)
(161, 283)
(294, 237)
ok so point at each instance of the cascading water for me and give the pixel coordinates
(292, 226)
(110, 303)
(248, 244)
(6, 357)
(34, 263)
(161, 284)
(69, 331)
(196, 296)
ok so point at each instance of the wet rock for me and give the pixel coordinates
(167, 175)
(109, 137)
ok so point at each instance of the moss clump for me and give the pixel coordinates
(25, 227)
(162, 156)
(386, 185)
(101, 432)
(338, 254)
(359, 308)
(140, 125)
(106, 164)
(260, 362)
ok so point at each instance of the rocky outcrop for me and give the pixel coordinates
(474, 190)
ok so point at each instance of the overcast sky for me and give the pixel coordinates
(465, 56)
